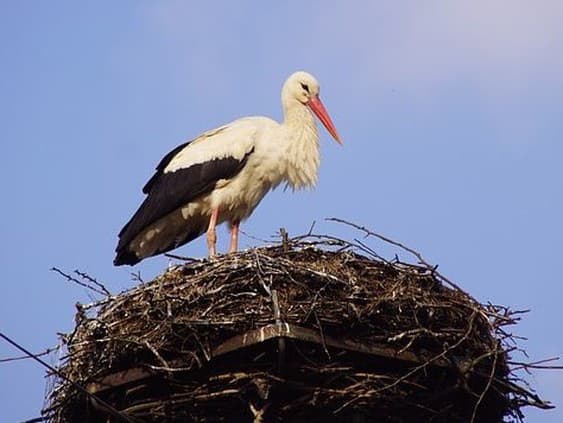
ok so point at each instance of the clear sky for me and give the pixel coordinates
(450, 113)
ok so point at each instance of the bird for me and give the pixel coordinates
(222, 175)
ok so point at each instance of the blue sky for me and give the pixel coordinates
(449, 111)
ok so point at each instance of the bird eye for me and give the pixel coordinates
(305, 87)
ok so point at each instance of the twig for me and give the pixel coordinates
(38, 419)
(100, 289)
(311, 228)
(89, 278)
(487, 386)
(182, 258)
(536, 364)
(284, 239)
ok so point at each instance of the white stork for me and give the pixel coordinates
(224, 173)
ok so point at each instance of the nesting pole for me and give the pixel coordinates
(316, 329)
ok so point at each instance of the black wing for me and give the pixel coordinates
(167, 191)
(162, 165)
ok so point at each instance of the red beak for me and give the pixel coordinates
(318, 108)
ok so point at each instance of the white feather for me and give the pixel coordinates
(235, 140)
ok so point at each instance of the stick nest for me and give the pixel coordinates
(316, 329)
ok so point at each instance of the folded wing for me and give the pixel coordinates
(186, 173)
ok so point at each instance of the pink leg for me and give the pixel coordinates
(211, 233)
(234, 236)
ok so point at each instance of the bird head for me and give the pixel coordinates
(303, 88)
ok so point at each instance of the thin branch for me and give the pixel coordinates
(94, 281)
(97, 287)
(536, 364)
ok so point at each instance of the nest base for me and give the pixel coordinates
(290, 333)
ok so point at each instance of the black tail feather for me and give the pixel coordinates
(124, 256)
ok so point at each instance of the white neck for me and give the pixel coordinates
(302, 153)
